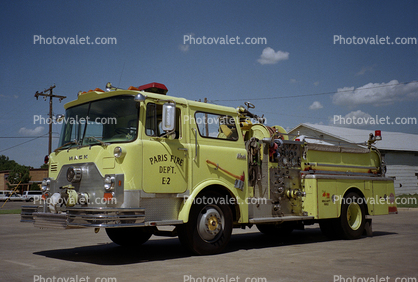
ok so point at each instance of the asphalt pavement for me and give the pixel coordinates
(80, 255)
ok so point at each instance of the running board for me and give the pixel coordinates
(279, 219)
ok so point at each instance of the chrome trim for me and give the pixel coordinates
(329, 172)
(279, 219)
(344, 166)
(105, 217)
(163, 222)
(354, 177)
(50, 220)
(26, 214)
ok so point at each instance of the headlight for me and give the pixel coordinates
(46, 183)
(109, 183)
(119, 152)
(74, 174)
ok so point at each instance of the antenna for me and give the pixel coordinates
(121, 72)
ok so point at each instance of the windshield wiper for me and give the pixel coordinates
(104, 144)
(75, 141)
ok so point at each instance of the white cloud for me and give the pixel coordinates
(316, 106)
(316, 83)
(378, 94)
(31, 132)
(293, 80)
(352, 119)
(184, 47)
(364, 70)
(268, 56)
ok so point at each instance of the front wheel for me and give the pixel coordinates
(209, 227)
(129, 236)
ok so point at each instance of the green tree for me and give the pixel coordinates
(6, 163)
(34, 186)
(44, 166)
(19, 173)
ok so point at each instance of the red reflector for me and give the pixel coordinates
(297, 139)
(107, 196)
(43, 197)
(154, 87)
(393, 210)
(377, 133)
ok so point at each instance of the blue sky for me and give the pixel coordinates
(299, 75)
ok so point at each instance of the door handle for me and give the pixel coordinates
(195, 144)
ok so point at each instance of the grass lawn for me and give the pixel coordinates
(16, 211)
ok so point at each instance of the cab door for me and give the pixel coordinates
(165, 158)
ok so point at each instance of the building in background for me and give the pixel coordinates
(400, 150)
(36, 174)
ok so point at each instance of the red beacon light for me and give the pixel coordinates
(154, 87)
(378, 135)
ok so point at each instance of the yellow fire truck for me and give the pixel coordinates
(130, 161)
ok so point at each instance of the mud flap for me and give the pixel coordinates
(368, 231)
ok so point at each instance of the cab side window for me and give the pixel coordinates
(153, 121)
(216, 126)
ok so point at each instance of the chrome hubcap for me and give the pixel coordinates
(210, 223)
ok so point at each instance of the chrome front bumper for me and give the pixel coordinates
(85, 217)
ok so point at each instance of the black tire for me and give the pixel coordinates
(209, 227)
(353, 217)
(31, 200)
(328, 228)
(129, 236)
(282, 229)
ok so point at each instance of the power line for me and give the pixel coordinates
(312, 94)
(24, 142)
(20, 137)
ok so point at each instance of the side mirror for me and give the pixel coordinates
(169, 117)
(60, 118)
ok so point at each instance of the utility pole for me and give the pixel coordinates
(50, 95)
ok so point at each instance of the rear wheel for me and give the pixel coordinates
(129, 236)
(351, 223)
(209, 227)
(353, 217)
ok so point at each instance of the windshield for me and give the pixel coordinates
(104, 121)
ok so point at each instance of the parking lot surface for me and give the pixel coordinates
(80, 255)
